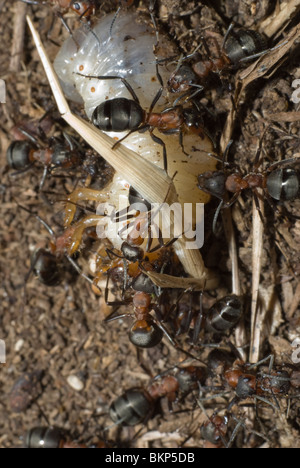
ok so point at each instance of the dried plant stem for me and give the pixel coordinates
(18, 37)
(280, 18)
(257, 313)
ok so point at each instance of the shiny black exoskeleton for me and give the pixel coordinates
(44, 437)
(45, 266)
(238, 46)
(224, 314)
(133, 407)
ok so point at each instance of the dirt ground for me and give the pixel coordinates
(60, 331)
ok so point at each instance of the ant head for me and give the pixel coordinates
(214, 429)
(132, 253)
(18, 154)
(143, 283)
(213, 183)
(181, 80)
(246, 386)
(83, 8)
(276, 382)
(145, 334)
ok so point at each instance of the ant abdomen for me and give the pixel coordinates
(44, 437)
(118, 115)
(18, 155)
(242, 44)
(145, 334)
(224, 314)
(283, 184)
(46, 268)
(133, 407)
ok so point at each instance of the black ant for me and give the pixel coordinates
(252, 380)
(46, 263)
(121, 114)
(238, 47)
(221, 317)
(278, 182)
(21, 155)
(136, 405)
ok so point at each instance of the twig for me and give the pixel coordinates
(18, 36)
(276, 21)
(257, 314)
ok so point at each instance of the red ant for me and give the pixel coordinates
(223, 316)
(120, 114)
(252, 380)
(136, 405)
(278, 182)
(238, 47)
(46, 263)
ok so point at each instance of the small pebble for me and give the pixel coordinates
(19, 345)
(75, 383)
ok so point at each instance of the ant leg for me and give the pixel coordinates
(268, 402)
(79, 271)
(42, 183)
(156, 98)
(161, 142)
(151, 11)
(113, 303)
(199, 322)
(60, 16)
(129, 133)
(111, 254)
(190, 95)
(230, 27)
(81, 193)
(289, 161)
(262, 361)
(44, 223)
(260, 54)
(114, 77)
(174, 343)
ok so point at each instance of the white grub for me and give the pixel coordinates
(129, 53)
(145, 177)
(75, 383)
